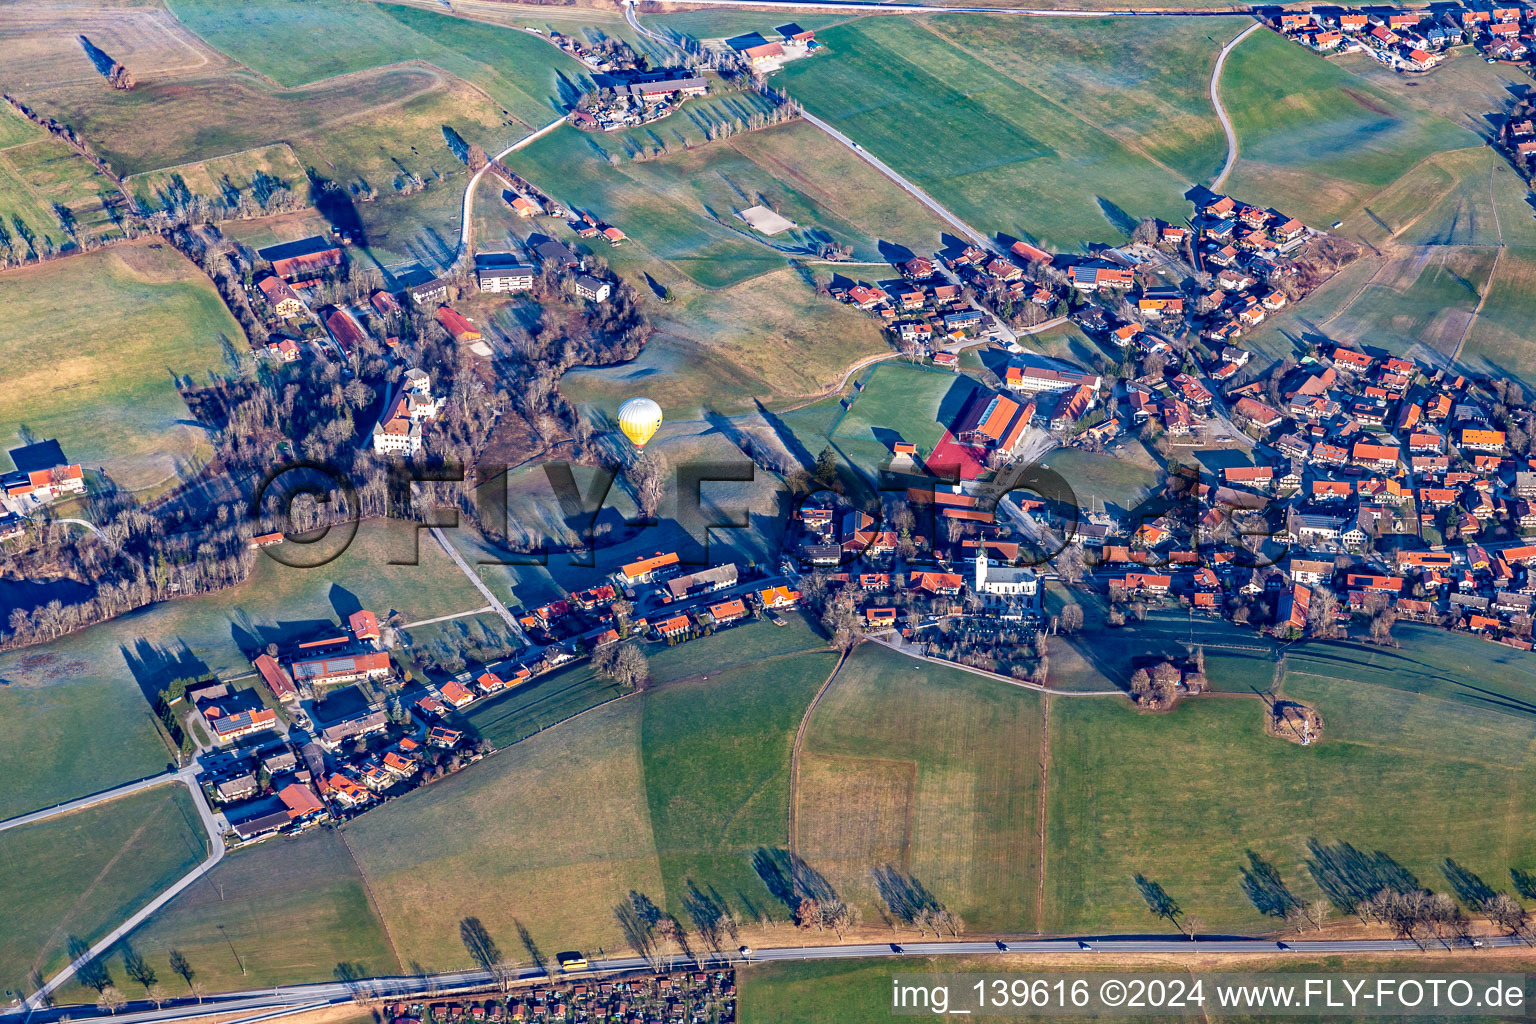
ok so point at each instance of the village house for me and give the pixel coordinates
(423, 286)
(647, 570)
(281, 297)
(345, 330)
(591, 289)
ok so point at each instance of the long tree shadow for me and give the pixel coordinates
(904, 896)
(91, 973)
(1349, 877)
(155, 666)
(535, 954)
(1158, 901)
(1265, 889)
(1469, 888)
(788, 878)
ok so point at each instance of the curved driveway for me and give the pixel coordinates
(467, 214)
(1221, 112)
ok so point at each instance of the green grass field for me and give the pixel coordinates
(1499, 341)
(54, 702)
(1429, 661)
(220, 176)
(1121, 477)
(1420, 304)
(1181, 798)
(98, 374)
(80, 875)
(1461, 197)
(281, 910)
(856, 991)
(1143, 83)
(771, 339)
(933, 772)
(1316, 141)
(575, 167)
(293, 42)
(916, 403)
(1008, 146)
(579, 839)
(725, 23)
(715, 750)
(44, 186)
(1102, 657)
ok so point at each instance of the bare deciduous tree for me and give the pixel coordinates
(111, 999)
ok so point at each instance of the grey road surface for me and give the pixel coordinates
(1079, 951)
(1221, 112)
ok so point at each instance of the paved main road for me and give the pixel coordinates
(871, 7)
(1081, 951)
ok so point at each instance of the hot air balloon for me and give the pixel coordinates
(639, 418)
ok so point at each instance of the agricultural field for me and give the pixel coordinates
(81, 874)
(1499, 341)
(293, 42)
(234, 175)
(105, 676)
(858, 991)
(587, 173)
(716, 751)
(1462, 197)
(1419, 305)
(1316, 141)
(138, 315)
(51, 198)
(1121, 75)
(1431, 662)
(278, 911)
(1416, 777)
(1003, 149)
(930, 771)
